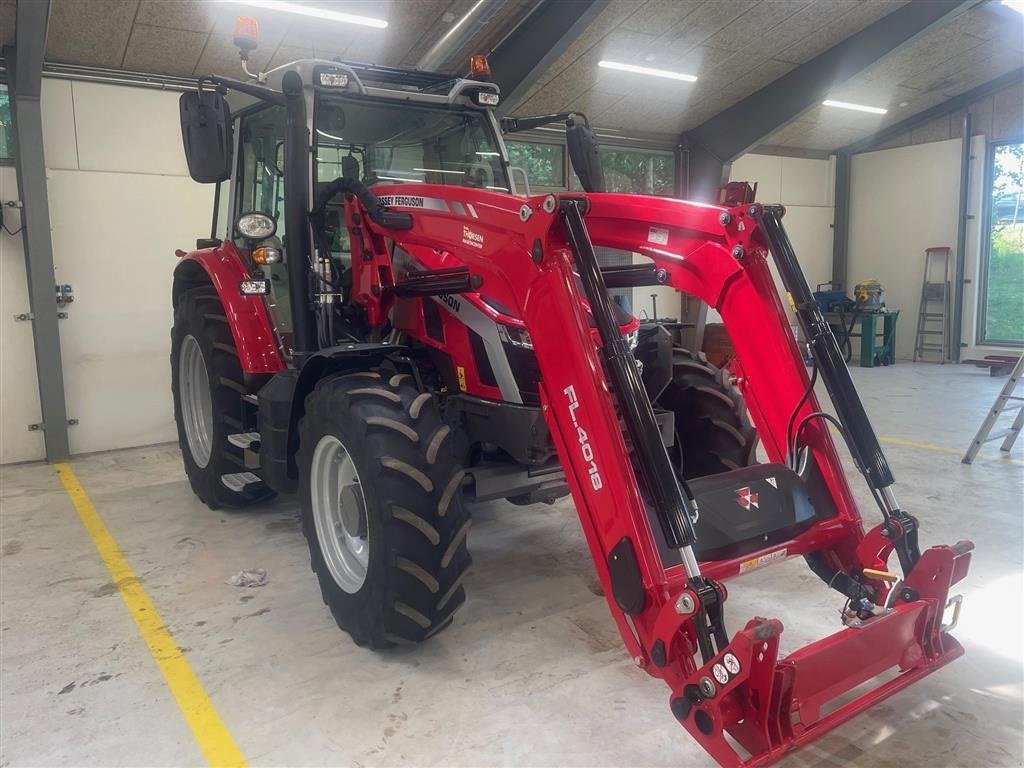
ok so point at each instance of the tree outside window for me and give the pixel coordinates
(1003, 303)
(544, 163)
(6, 126)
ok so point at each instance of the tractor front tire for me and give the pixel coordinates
(713, 432)
(382, 509)
(207, 385)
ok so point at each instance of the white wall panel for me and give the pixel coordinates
(901, 202)
(60, 145)
(19, 393)
(766, 170)
(131, 130)
(114, 236)
(804, 182)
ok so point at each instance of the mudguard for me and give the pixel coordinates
(247, 316)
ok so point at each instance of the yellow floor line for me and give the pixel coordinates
(946, 449)
(206, 724)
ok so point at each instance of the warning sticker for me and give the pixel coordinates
(757, 562)
(460, 372)
(657, 235)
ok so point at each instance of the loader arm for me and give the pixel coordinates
(668, 607)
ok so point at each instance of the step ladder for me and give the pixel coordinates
(1006, 401)
(933, 313)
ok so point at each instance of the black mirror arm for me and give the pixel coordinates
(517, 124)
(260, 92)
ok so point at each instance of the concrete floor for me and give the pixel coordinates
(533, 672)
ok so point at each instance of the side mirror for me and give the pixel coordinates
(585, 155)
(206, 135)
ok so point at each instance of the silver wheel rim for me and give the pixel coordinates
(196, 404)
(339, 514)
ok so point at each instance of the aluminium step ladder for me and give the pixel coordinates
(933, 312)
(1002, 404)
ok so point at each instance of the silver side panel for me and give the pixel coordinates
(488, 331)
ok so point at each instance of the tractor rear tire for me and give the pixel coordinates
(713, 432)
(207, 385)
(382, 509)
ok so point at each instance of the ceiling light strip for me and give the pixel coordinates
(637, 70)
(854, 107)
(313, 12)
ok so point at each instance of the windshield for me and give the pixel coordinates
(384, 143)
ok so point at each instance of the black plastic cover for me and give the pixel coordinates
(752, 509)
(585, 156)
(627, 582)
(206, 135)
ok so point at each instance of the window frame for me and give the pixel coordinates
(986, 247)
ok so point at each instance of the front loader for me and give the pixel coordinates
(443, 342)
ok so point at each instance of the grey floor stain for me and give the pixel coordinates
(12, 547)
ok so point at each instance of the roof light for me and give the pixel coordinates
(489, 154)
(313, 12)
(1017, 5)
(854, 107)
(438, 170)
(395, 178)
(647, 71)
(333, 79)
(487, 99)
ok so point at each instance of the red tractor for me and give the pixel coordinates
(394, 329)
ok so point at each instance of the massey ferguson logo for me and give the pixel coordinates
(746, 498)
(451, 301)
(581, 435)
(402, 201)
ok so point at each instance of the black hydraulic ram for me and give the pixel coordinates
(831, 367)
(671, 506)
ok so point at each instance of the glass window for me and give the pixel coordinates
(544, 163)
(1002, 305)
(261, 164)
(380, 142)
(637, 171)
(6, 126)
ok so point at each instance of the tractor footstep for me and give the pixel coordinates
(237, 481)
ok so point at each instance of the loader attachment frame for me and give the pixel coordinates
(739, 700)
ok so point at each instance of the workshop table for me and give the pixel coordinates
(871, 353)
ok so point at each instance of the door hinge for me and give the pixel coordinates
(24, 317)
(40, 427)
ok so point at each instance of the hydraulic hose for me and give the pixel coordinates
(377, 211)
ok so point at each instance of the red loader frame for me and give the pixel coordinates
(740, 701)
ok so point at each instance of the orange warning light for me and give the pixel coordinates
(478, 67)
(247, 33)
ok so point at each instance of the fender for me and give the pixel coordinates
(247, 315)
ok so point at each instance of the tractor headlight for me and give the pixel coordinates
(516, 336)
(256, 226)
